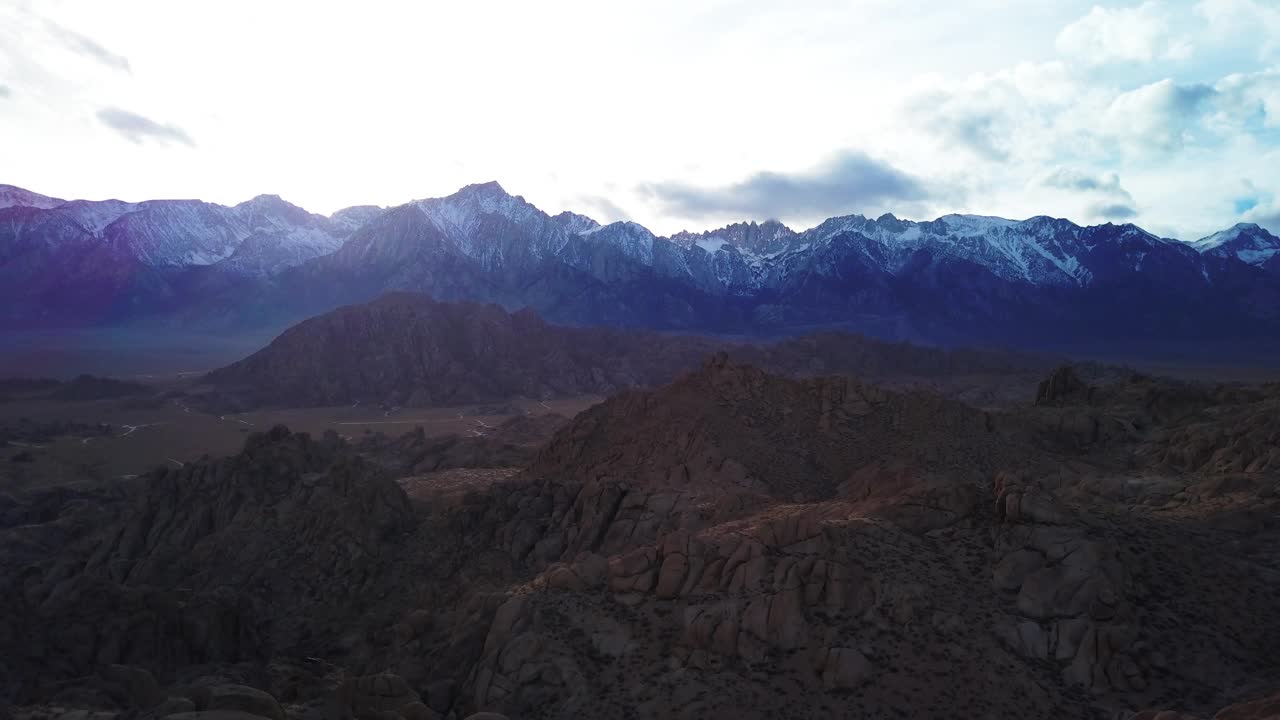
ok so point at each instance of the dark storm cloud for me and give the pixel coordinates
(849, 180)
(1113, 211)
(86, 46)
(138, 129)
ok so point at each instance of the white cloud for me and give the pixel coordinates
(1162, 115)
(1249, 99)
(1250, 25)
(1009, 115)
(1129, 34)
(1260, 206)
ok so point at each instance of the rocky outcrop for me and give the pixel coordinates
(736, 544)
(738, 430)
(383, 696)
(1238, 433)
(1068, 588)
(1062, 386)
(184, 568)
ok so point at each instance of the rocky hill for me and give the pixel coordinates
(410, 350)
(734, 544)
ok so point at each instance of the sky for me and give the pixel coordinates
(680, 114)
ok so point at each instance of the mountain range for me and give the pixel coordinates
(1041, 282)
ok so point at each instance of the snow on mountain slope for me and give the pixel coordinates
(265, 234)
(28, 233)
(485, 223)
(768, 237)
(633, 239)
(574, 223)
(1040, 250)
(14, 196)
(286, 234)
(266, 252)
(177, 233)
(482, 242)
(348, 220)
(1247, 241)
(95, 216)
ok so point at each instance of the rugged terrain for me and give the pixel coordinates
(410, 350)
(734, 544)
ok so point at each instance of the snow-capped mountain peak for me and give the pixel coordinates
(766, 238)
(1249, 242)
(972, 224)
(633, 239)
(465, 207)
(485, 222)
(574, 223)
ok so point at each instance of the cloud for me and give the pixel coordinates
(602, 207)
(1268, 216)
(1250, 197)
(1262, 207)
(998, 117)
(1249, 100)
(847, 181)
(87, 46)
(1161, 115)
(980, 134)
(1111, 201)
(137, 129)
(1247, 25)
(1138, 34)
(1113, 211)
(5, 91)
(1069, 179)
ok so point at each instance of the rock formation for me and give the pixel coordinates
(735, 544)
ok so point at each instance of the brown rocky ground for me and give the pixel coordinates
(735, 544)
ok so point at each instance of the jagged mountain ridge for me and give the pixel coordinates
(183, 233)
(959, 276)
(91, 262)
